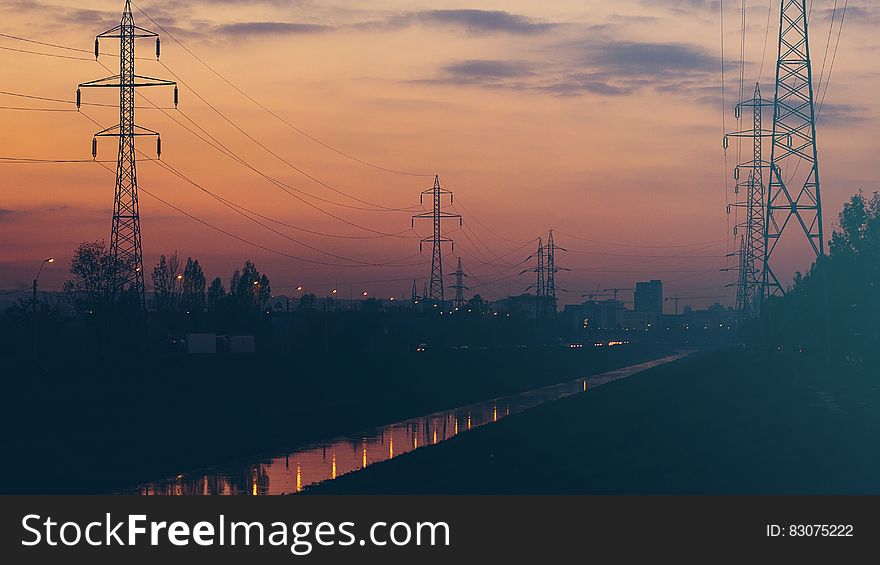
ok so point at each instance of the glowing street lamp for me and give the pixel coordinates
(43, 264)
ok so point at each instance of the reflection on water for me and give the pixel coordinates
(292, 472)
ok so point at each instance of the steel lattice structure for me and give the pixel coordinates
(550, 284)
(459, 286)
(126, 253)
(436, 293)
(752, 247)
(793, 194)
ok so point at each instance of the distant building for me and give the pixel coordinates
(524, 306)
(649, 298)
(636, 320)
(602, 315)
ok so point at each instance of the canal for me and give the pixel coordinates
(294, 471)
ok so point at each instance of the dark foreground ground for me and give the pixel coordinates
(715, 423)
(83, 425)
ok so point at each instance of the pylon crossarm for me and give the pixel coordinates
(145, 81)
(117, 33)
(113, 131)
(101, 82)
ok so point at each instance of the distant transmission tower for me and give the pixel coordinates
(414, 298)
(540, 285)
(459, 286)
(751, 251)
(126, 253)
(437, 240)
(793, 195)
(552, 269)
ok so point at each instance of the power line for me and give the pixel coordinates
(273, 114)
(308, 175)
(237, 237)
(833, 58)
(290, 190)
(240, 210)
(641, 246)
(55, 55)
(26, 109)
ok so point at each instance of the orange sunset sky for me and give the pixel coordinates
(599, 119)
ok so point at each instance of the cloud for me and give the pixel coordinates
(8, 215)
(832, 115)
(476, 21)
(649, 60)
(856, 14)
(597, 67)
(468, 20)
(481, 70)
(248, 29)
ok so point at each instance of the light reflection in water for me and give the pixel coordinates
(272, 475)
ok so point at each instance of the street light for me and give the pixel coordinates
(43, 264)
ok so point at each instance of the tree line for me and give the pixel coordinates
(834, 308)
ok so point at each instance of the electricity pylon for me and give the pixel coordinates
(752, 246)
(459, 286)
(793, 194)
(540, 285)
(437, 240)
(552, 269)
(126, 253)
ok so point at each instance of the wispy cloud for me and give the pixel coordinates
(597, 67)
(250, 29)
(474, 22)
(8, 215)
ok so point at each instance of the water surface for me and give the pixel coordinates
(289, 473)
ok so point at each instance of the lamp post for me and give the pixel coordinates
(36, 278)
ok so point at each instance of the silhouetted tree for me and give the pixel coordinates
(192, 298)
(216, 294)
(249, 287)
(835, 306)
(89, 289)
(478, 305)
(165, 282)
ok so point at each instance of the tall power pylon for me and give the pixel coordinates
(126, 253)
(459, 286)
(540, 270)
(437, 240)
(552, 269)
(793, 194)
(751, 192)
(540, 285)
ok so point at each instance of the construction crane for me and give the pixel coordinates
(614, 291)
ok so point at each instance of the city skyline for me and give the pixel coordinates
(554, 116)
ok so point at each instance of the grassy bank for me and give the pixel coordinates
(84, 425)
(720, 423)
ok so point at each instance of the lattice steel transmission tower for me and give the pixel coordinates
(437, 240)
(459, 286)
(126, 253)
(752, 193)
(540, 285)
(552, 269)
(793, 194)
